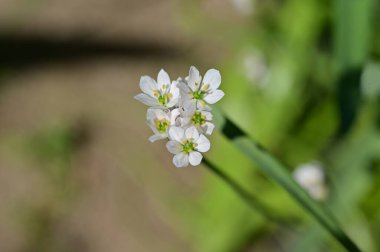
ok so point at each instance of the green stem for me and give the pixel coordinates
(246, 196)
(280, 174)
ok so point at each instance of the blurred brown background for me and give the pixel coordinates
(69, 72)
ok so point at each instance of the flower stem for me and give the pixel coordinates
(246, 196)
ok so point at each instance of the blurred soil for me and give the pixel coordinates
(111, 190)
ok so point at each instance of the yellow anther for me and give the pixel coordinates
(161, 125)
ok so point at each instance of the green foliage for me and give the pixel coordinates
(318, 100)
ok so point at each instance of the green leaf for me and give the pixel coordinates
(280, 174)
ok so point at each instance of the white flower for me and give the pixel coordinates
(162, 93)
(160, 121)
(311, 177)
(197, 93)
(200, 119)
(187, 145)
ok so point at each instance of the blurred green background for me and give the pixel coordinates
(77, 172)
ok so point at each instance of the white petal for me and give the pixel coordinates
(161, 114)
(188, 112)
(172, 103)
(176, 133)
(184, 118)
(146, 99)
(194, 78)
(202, 105)
(183, 87)
(158, 113)
(189, 104)
(209, 128)
(203, 144)
(174, 91)
(183, 94)
(181, 160)
(174, 147)
(213, 79)
(192, 133)
(156, 137)
(163, 79)
(180, 122)
(150, 114)
(148, 85)
(186, 121)
(214, 96)
(181, 79)
(195, 158)
(174, 115)
(208, 115)
(151, 124)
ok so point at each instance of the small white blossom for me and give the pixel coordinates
(197, 93)
(200, 119)
(160, 121)
(162, 93)
(187, 145)
(311, 177)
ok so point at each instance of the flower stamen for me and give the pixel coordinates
(198, 119)
(205, 87)
(198, 95)
(188, 146)
(162, 125)
(164, 99)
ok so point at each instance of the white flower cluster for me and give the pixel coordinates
(180, 112)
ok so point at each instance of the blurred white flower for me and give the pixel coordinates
(256, 69)
(187, 145)
(370, 81)
(160, 121)
(197, 93)
(311, 177)
(162, 93)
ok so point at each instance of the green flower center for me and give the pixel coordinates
(198, 118)
(198, 95)
(164, 99)
(188, 146)
(162, 125)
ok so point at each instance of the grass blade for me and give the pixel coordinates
(279, 173)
